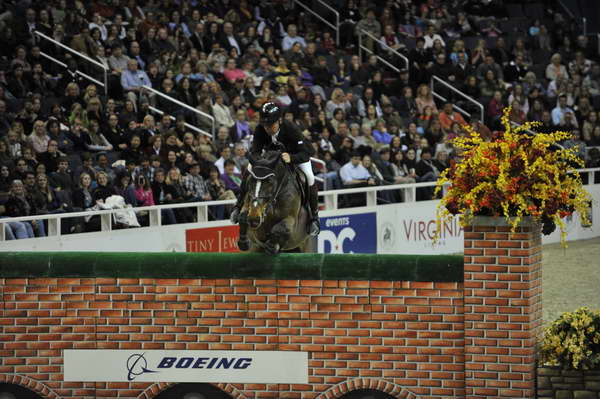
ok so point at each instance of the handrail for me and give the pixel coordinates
(184, 105)
(62, 64)
(335, 27)
(105, 69)
(434, 78)
(191, 127)
(384, 46)
(85, 57)
(330, 196)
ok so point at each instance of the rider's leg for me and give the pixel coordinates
(235, 212)
(313, 197)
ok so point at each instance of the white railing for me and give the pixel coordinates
(183, 105)
(154, 212)
(384, 46)
(335, 27)
(81, 55)
(454, 89)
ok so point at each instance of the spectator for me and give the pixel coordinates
(449, 116)
(291, 38)
(195, 185)
(133, 82)
(558, 113)
(555, 68)
(354, 174)
(17, 205)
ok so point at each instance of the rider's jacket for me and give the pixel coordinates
(289, 136)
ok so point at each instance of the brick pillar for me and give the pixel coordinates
(503, 308)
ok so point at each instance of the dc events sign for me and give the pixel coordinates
(351, 233)
(261, 367)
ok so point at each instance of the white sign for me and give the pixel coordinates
(261, 367)
(408, 228)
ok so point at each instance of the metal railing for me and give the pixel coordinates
(154, 212)
(434, 79)
(384, 46)
(189, 126)
(335, 27)
(183, 105)
(81, 55)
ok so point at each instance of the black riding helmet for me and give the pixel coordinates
(269, 114)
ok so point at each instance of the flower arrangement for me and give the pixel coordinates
(573, 340)
(514, 175)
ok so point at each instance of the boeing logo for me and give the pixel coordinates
(137, 365)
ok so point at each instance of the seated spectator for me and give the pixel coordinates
(489, 64)
(449, 116)
(558, 113)
(291, 38)
(381, 134)
(195, 185)
(354, 174)
(38, 139)
(103, 190)
(17, 205)
(133, 82)
(231, 178)
(216, 186)
(221, 113)
(555, 68)
(425, 99)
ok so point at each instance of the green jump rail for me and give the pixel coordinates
(435, 268)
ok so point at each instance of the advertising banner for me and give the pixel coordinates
(348, 234)
(409, 229)
(261, 367)
(212, 239)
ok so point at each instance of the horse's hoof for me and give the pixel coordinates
(272, 249)
(244, 245)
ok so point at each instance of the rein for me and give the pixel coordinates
(279, 186)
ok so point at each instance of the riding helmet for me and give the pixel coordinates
(269, 113)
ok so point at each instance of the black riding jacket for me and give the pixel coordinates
(289, 137)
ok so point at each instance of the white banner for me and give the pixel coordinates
(409, 229)
(261, 367)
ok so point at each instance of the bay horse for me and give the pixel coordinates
(273, 217)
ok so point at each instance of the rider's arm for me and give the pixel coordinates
(300, 150)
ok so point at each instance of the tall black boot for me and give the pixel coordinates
(235, 212)
(313, 200)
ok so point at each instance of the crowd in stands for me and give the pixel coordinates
(67, 143)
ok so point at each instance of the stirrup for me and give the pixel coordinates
(315, 228)
(235, 215)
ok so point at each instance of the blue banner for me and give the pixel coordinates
(348, 234)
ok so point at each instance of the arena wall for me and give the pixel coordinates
(398, 324)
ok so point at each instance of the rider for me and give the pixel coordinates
(273, 130)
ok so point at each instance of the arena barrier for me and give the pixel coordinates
(132, 325)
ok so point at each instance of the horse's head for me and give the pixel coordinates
(265, 178)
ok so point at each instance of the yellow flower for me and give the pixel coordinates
(514, 175)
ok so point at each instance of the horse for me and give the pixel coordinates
(273, 217)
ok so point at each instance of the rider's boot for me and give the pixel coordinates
(235, 212)
(313, 199)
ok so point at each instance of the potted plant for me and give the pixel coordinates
(517, 174)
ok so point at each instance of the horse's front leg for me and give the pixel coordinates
(280, 235)
(243, 241)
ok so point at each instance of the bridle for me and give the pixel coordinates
(271, 199)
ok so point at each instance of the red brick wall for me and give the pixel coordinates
(503, 310)
(405, 338)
